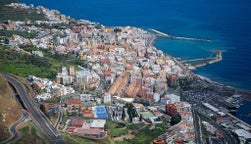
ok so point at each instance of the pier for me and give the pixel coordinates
(194, 60)
(205, 61)
(159, 33)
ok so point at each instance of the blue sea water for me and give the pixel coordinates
(226, 22)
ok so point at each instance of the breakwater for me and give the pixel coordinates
(204, 61)
(159, 33)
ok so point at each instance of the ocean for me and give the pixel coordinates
(226, 22)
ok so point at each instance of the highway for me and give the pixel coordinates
(40, 119)
(228, 137)
(13, 130)
(197, 128)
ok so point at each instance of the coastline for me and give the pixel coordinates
(206, 80)
(245, 92)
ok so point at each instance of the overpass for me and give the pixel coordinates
(41, 120)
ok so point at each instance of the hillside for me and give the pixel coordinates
(9, 108)
(8, 13)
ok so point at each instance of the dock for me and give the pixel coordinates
(159, 33)
(206, 61)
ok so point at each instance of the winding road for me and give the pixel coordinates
(13, 128)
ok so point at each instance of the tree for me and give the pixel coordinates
(175, 119)
(6, 41)
(140, 118)
(131, 111)
(123, 114)
(42, 108)
(116, 30)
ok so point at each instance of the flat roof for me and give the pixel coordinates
(87, 131)
(147, 115)
(100, 112)
(98, 123)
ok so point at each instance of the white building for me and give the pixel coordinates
(156, 97)
(44, 96)
(64, 71)
(173, 98)
(98, 123)
(82, 76)
(67, 80)
(107, 98)
(243, 135)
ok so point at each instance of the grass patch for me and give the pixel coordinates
(34, 132)
(113, 131)
(25, 129)
(144, 134)
(135, 126)
(29, 134)
(72, 139)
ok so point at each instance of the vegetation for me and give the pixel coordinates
(72, 139)
(4, 2)
(54, 100)
(131, 111)
(144, 135)
(29, 134)
(9, 13)
(113, 129)
(135, 126)
(26, 34)
(205, 133)
(25, 129)
(175, 119)
(24, 64)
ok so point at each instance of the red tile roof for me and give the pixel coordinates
(71, 128)
(88, 131)
(73, 101)
(77, 123)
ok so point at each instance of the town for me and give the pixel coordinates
(123, 79)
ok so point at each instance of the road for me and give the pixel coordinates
(59, 119)
(197, 128)
(40, 119)
(228, 137)
(13, 130)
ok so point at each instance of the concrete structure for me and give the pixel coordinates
(243, 135)
(64, 71)
(44, 96)
(173, 80)
(107, 98)
(82, 76)
(72, 71)
(173, 98)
